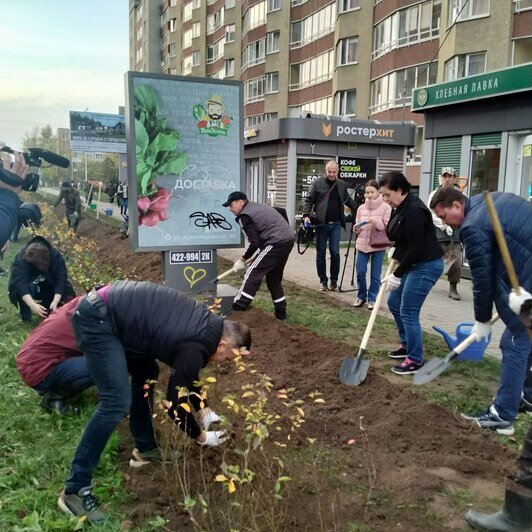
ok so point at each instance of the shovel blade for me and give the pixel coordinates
(431, 370)
(353, 371)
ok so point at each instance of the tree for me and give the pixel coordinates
(45, 138)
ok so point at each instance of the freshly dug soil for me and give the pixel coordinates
(372, 457)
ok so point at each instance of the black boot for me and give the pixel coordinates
(516, 515)
(453, 292)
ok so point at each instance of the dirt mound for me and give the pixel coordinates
(372, 457)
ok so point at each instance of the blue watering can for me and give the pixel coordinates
(475, 351)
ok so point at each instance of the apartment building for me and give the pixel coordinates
(352, 59)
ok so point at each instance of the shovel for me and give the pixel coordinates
(232, 270)
(353, 371)
(436, 366)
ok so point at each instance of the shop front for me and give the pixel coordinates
(283, 157)
(482, 127)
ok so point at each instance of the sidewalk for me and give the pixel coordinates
(438, 309)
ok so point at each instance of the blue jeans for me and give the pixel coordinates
(377, 258)
(106, 362)
(405, 304)
(67, 379)
(332, 233)
(516, 374)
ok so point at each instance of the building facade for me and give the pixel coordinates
(352, 59)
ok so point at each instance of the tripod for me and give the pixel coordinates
(345, 264)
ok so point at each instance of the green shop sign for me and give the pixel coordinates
(498, 82)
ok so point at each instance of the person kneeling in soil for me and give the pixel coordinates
(50, 362)
(128, 326)
(39, 274)
(491, 286)
(270, 233)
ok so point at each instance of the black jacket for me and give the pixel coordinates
(72, 200)
(23, 273)
(411, 230)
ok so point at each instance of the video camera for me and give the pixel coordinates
(34, 158)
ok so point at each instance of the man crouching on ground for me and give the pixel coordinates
(125, 328)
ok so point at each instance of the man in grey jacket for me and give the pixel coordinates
(326, 198)
(269, 232)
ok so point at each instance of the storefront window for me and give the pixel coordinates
(485, 170)
(270, 171)
(307, 171)
(526, 172)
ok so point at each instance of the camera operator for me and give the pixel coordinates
(13, 170)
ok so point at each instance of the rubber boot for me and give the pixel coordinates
(453, 292)
(516, 515)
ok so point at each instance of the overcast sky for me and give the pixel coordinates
(59, 56)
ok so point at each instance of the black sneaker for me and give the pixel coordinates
(281, 314)
(81, 503)
(334, 286)
(401, 352)
(55, 404)
(323, 287)
(491, 420)
(139, 459)
(525, 406)
(407, 367)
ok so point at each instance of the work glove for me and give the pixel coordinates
(391, 251)
(482, 330)
(239, 265)
(517, 301)
(213, 438)
(392, 282)
(209, 419)
(449, 230)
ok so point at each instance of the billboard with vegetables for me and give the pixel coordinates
(185, 156)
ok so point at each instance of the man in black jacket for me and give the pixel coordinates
(126, 327)
(72, 204)
(326, 198)
(269, 232)
(38, 282)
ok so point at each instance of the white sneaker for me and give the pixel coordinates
(358, 302)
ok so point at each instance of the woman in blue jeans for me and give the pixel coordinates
(419, 255)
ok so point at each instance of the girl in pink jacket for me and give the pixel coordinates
(376, 214)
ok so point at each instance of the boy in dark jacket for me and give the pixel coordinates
(127, 327)
(39, 280)
(492, 286)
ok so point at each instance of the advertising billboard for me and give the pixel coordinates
(97, 132)
(185, 156)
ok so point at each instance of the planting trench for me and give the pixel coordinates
(415, 466)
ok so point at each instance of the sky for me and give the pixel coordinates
(59, 56)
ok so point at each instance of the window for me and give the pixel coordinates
(196, 58)
(187, 12)
(313, 27)
(270, 116)
(406, 26)
(347, 51)
(254, 16)
(173, 3)
(466, 9)
(172, 52)
(274, 5)
(139, 33)
(187, 38)
(254, 90)
(186, 65)
(345, 103)
(348, 5)
(272, 82)
(229, 68)
(485, 164)
(522, 5)
(196, 29)
(315, 70)
(230, 33)
(229, 4)
(462, 66)
(215, 51)
(172, 24)
(272, 42)
(215, 20)
(138, 13)
(254, 54)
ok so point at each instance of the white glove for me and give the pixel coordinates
(449, 230)
(214, 438)
(209, 419)
(392, 282)
(391, 251)
(517, 301)
(239, 265)
(482, 330)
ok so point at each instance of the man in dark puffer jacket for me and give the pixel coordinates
(130, 325)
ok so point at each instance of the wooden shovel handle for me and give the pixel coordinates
(468, 341)
(375, 310)
(501, 241)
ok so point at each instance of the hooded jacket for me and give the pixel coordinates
(377, 211)
(491, 284)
